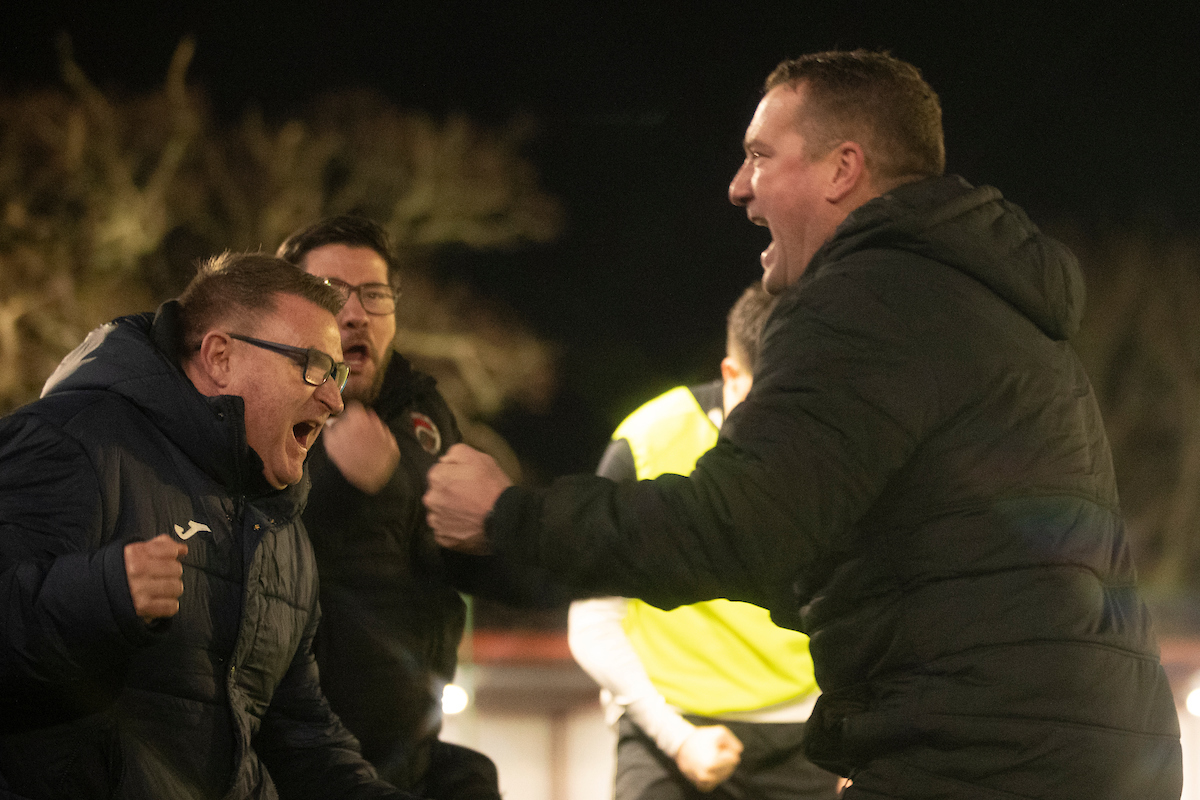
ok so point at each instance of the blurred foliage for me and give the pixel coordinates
(1140, 342)
(107, 202)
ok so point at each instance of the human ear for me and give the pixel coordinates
(735, 383)
(730, 371)
(212, 364)
(849, 167)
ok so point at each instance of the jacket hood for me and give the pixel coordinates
(978, 232)
(133, 357)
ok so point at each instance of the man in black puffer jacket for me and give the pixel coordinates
(919, 478)
(391, 617)
(160, 594)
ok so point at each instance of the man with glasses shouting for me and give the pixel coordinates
(160, 593)
(391, 615)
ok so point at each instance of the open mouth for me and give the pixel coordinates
(305, 432)
(767, 257)
(356, 355)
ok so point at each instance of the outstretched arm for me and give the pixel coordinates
(772, 510)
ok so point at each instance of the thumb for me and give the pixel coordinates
(166, 546)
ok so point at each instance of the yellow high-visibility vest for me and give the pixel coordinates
(719, 656)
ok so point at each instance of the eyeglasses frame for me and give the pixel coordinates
(350, 289)
(303, 357)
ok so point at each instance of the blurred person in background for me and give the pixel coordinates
(392, 615)
(712, 697)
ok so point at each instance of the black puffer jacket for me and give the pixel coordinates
(920, 480)
(392, 616)
(391, 620)
(222, 700)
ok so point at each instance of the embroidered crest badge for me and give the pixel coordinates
(426, 432)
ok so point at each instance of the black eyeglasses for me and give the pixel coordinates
(376, 298)
(318, 367)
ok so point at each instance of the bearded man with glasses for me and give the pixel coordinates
(160, 593)
(392, 613)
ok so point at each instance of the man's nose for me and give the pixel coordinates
(739, 187)
(329, 394)
(353, 312)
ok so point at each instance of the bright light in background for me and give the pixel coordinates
(455, 699)
(1192, 702)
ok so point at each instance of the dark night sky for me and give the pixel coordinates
(1077, 111)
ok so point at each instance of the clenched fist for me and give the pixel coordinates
(463, 487)
(155, 576)
(362, 448)
(709, 756)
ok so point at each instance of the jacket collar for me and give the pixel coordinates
(979, 233)
(136, 357)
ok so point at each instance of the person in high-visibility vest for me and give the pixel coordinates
(713, 696)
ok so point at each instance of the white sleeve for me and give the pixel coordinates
(600, 646)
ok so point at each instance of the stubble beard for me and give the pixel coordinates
(368, 397)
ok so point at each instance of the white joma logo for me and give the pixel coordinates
(193, 528)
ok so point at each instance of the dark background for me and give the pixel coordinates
(1083, 113)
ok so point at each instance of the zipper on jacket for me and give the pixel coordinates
(235, 529)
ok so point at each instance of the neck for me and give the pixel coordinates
(200, 379)
(882, 187)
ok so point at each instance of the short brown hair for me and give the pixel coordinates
(874, 99)
(238, 286)
(346, 229)
(745, 324)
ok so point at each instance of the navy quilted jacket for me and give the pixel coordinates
(220, 701)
